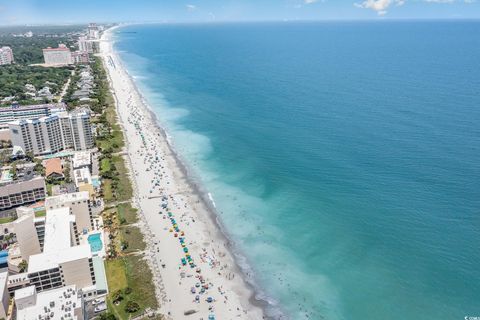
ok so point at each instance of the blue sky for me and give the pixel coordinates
(76, 11)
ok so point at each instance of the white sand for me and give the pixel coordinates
(156, 173)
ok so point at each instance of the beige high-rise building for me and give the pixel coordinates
(60, 56)
(54, 133)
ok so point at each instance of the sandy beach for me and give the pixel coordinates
(176, 222)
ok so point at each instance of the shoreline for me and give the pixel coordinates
(248, 295)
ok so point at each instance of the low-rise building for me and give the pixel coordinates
(83, 181)
(61, 303)
(82, 159)
(53, 169)
(17, 193)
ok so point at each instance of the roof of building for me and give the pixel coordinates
(59, 303)
(56, 201)
(57, 229)
(45, 261)
(24, 292)
(81, 159)
(58, 247)
(82, 176)
(53, 165)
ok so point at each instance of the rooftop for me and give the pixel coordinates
(81, 159)
(52, 202)
(82, 176)
(53, 165)
(45, 261)
(58, 303)
(57, 230)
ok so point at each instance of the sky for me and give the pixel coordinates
(19, 12)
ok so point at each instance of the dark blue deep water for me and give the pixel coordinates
(343, 158)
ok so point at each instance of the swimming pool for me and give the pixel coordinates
(95, 242)
(96, 182)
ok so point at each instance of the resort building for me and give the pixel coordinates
(60, 56)
(16, 112)
(20, 192)
(93, 31)
(79, 205)
(54, 133)
(62, 303)
(85, 45)
(6, 56)
(63, 261)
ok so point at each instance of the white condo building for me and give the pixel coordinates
(53, 133)
(6, 56)
(85, 45)
(60, 56)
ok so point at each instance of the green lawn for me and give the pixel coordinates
(107, 190)
(128, 213)
(116, 276)
(124, 187)
(6, 219)
(133, 272)
(105, 165)
(41, 213)
(134, 237)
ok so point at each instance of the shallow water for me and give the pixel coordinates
(342, 157)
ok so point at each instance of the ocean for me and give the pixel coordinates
(343, 157)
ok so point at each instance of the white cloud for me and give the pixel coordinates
(309, 1)
(380, 6)
(191, 7)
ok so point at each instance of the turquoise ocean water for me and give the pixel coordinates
(343, 157)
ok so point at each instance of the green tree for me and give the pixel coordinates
(23, 266)
(132, 307)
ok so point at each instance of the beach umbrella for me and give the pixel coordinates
(209, 299)
(185, 250)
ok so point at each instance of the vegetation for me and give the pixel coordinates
(6, 219)
(40, 213)
(130, 274)
(29, 50)
(13, 79)
(23, 265)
